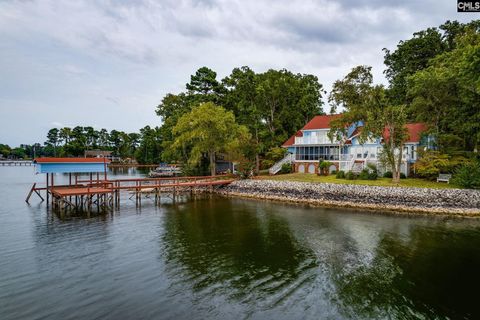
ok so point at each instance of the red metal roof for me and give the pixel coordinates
(414, 131)
(320, 122)
(71, 160)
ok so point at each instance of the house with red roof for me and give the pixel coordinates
(312, 143)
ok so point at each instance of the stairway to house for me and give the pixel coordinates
(278, 166)
(357, 167)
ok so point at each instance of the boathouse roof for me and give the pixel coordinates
(70, 165)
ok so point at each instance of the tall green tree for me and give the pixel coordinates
(53, 139)
(204, 86)
(208, 129)
(366, 103)
(446, 94)
(414, 54)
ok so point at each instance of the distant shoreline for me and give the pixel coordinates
(434, 202)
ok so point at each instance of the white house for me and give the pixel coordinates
(311, 143)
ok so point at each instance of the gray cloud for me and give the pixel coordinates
(112, 61)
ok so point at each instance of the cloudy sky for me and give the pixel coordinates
(109, 63)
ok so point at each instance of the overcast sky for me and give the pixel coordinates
(109, 63)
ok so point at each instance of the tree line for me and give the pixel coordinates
(269, 105)
(144, 146)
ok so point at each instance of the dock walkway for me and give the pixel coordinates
(104, 195)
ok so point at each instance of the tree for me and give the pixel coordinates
(369, 105)
(208, 129)
(446, 94)
(414, 54)
(204, 87)
(53, 139)
(241, 98)
(5, 150)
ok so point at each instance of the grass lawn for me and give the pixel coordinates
(386, 182)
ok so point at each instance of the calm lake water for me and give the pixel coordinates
(217, 258)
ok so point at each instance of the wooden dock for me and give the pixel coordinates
(15, 163)
(102, 196)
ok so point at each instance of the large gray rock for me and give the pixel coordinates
(397, 196)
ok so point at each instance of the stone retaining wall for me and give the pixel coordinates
(425, 200)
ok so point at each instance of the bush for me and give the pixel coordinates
(323, 167)
(369, 173)
(388, 174)
(402, 175)
(350, 175)
(334, 172)
(340, 174)
(286, 168)
(432, 163)
(245, 169)
(364, 174)
(467, 176)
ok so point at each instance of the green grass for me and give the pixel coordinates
(385, 182)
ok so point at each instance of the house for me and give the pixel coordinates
(311, 144)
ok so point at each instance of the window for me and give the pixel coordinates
(359, 155)
(372, 155)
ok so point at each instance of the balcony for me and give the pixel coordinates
(314, 140)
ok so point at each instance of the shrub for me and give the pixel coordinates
(372, 171)
(364, 174)
(350, 175)
(245, 169)
(323, 167)
(432, 163)
(340, 174)
(467, 176)
(286, 168)
(388, 174)
(334, 172)
(402, 175)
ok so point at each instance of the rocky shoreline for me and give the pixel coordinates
(393, 199)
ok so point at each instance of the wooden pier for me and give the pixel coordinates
(101, 196)
(15, 163)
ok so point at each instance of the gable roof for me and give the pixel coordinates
(320, 122)
(291, 140)
(414, 131)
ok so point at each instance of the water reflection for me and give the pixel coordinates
(429, 276)
(225, 250)
(218, 258)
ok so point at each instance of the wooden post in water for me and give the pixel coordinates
(51, 186)
(47, 196)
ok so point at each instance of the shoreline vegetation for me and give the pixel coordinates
(406, 200)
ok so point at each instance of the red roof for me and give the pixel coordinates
(320, 122)
(291, 140)
(414, 131)
(71, 160)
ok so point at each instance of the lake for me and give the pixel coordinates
(221, 258)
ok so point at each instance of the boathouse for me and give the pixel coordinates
(71, 165)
